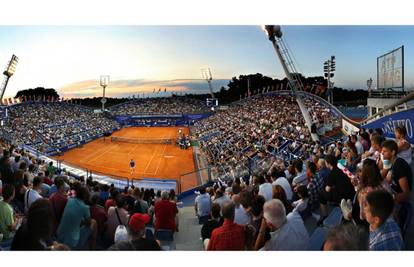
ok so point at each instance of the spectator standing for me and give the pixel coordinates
(229, 236)
(165, 212)
(33, 194)
(58, 201)
(117, 216)
(77, 229)
(8, 220)
(203, 205)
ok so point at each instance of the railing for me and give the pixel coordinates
(387, 94)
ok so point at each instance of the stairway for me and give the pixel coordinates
(188, 237)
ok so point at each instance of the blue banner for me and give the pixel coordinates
(388, 124)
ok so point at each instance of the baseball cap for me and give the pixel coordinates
(137, 221)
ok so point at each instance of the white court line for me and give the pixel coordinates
(92, 156)
(159, 161)
(103, 153)
(153, 155)
(161, 156)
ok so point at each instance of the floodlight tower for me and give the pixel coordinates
(10, 69)
(206, 73)
(104, 84)
(369, 85)
(274, 33)
(329, 69)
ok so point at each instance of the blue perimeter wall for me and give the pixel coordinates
(388, 124)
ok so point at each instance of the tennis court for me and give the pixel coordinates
(159, 160)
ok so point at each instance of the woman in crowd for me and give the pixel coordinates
(404, 147)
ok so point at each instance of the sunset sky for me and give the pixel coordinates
(140, 58)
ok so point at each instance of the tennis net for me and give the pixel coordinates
(142, 140)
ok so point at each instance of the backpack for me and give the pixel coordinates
(121, 232)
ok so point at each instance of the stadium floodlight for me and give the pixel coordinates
(10, 70)
(369, 85)
(274, 34)
(272, 31)
(206, 74)
(11, 67)
(104, 83)
(329, 68)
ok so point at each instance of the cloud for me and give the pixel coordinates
(121, 88)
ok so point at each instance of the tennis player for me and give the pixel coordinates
(132, 165)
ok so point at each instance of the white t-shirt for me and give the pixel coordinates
(291, 236)
(29, 197)
(359, 147)
(266, 190)
(241, 217)
(284, 183)
(300, 205)
(300, 179)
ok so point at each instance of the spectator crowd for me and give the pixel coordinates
(160, 106)
(273, 209)
(49, 126)
(258, 124)
(44, 208)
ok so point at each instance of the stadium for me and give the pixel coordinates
(277, 166)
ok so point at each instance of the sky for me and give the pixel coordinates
(141, 58)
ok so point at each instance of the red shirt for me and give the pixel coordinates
(58, 202)
(99, 215)
(109, 203)
(47, 181)
(165, 212)
(229, 236)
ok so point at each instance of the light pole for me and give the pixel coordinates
(104, 84)
(206, 73)
(369, 84)
(329, 69)
(274, 33)
(10, 69)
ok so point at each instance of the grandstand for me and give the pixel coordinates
(275, 170)
(252, 137)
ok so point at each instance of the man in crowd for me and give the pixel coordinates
(287, 232)
(346, 237)
(265, 188)
(203, 206)
(384, 231)
(300, 175)
(33, 194)
(76, 229)
(58, 200)
(8, 224)
(278, 178)
(98, 214)
(398, 173)
(5, 168)
(229, 236)
(165, 212)
(241, 217)
(213, 223)
(338, 186)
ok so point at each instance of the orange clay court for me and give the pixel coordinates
(151, 160)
